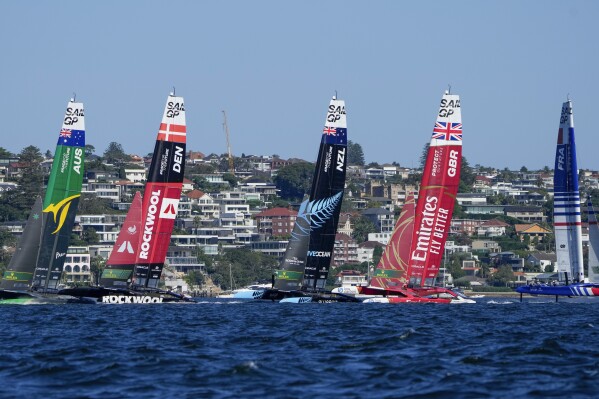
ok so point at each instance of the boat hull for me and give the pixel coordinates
(124, 296)
(276, 295)
(584, 289)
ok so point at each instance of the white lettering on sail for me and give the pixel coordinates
(149, 226)
(425, 229)
(340, 159)
(453, 163)
(77, 160)
(174, 109)
(178, 159)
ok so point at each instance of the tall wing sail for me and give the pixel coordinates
(121, 263)
(62, 197)
(438, 190)
(593, 244)
(290, 275)
(392, 270)
(566, 201)
(326, 195)
(19, 272)
(162, 193)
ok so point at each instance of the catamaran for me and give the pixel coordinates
(305, 267)
(34, 272)
(567, 222)
(410, 263)
(135, 265)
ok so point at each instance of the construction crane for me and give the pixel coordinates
(226, 129)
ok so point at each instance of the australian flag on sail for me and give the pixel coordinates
(448, 131)
(334, 135)
(72, 138)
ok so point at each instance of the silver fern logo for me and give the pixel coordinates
(313, 215)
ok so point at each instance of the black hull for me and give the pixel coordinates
(124, 296)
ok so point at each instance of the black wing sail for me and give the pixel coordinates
(19, 273)
(326, 196)
(291, 274)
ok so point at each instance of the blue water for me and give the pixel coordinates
(497, 348)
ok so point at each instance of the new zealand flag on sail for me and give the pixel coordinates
(334, 135)
(72, 138)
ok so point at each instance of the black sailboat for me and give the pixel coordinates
(305, 268)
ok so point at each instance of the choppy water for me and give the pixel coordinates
(498, 348)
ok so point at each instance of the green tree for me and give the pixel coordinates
(17, 202)
(194, 279)
(96, 266)
(90, 236)
(4, 153)
(294, 180)
(89, 150)
(503, 276)
(362, 227)
(355, 154)
(115, 154)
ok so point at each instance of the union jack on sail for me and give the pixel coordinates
(448, 131)
(329, 131)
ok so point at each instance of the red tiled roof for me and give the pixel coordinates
(194, 194)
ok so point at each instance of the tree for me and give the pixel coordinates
(424, 155)
(96, 266)
(193, 279)
(30, 183)
(115, 154)
(503, 276)
(467, 177)
(362, 227)
(4, 153)
(89, 150)
(294, 180)
(355, 154)
(90, 236)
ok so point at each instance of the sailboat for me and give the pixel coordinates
(567, 222)
(34, 271)
(304, 270)
(410, 263)
(135, 265)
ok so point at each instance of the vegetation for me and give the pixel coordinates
(294, 180)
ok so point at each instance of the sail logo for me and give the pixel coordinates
(174, 108)
(126, 246)
(72, 116)
(168, 208)
(77, 160)
(149, 226)
(60, 211)
(446, 108)
(341, 159)
(335, 113)
(121, 299)
(565, 116)
(561, 158)
(425, 230)
(178, 159)
(453, 163)
(319, 254)
(59, 255)
(132, 230)
(327, 160)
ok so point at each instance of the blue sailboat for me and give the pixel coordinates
(567, 222)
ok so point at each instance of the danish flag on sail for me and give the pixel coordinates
(438, 189)
(162, 193)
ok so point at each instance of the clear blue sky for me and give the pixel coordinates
(273, 65)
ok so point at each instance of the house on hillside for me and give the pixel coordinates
(526, 213)
(532, 231)
(492, 228)
(545, 260)
(276, 221)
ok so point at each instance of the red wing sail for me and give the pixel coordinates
(162, 193)
(392, 270)
(438, 190)
(120, 264)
